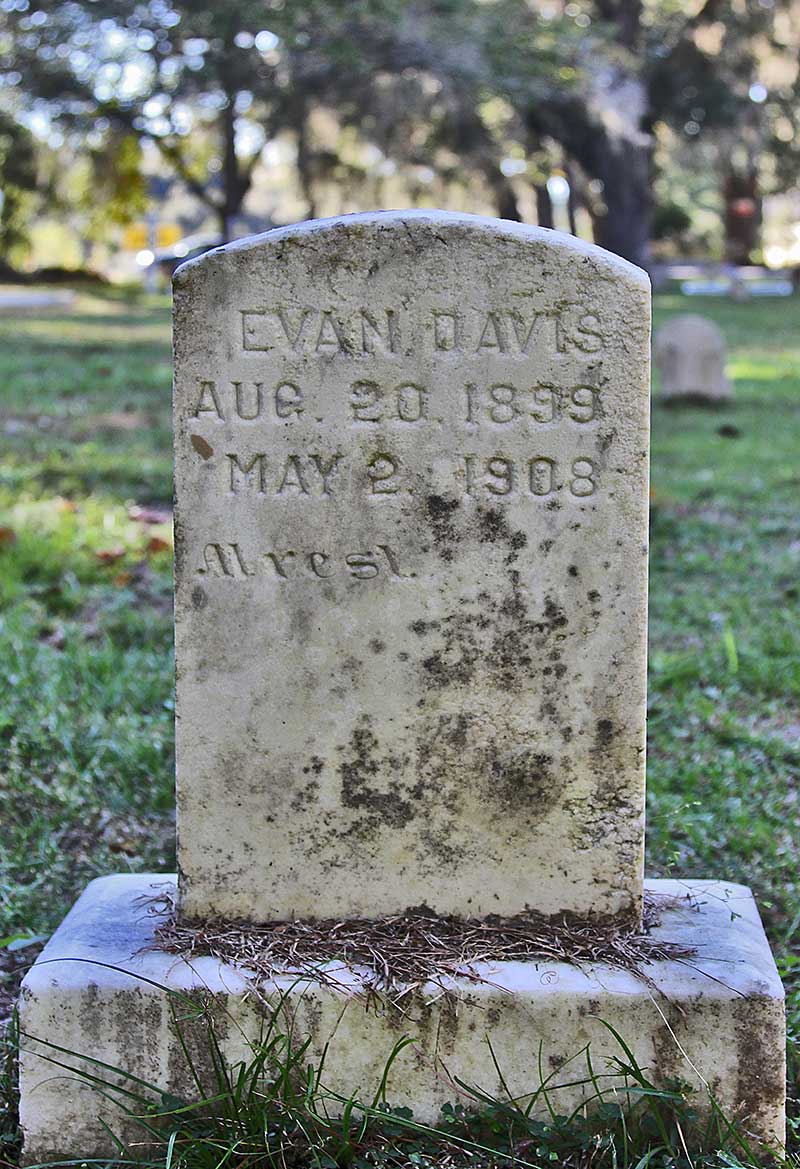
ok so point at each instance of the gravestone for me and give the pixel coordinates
(689, 352)
(411, 487)
(411, 536)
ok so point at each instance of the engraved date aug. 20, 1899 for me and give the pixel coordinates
(498, 404)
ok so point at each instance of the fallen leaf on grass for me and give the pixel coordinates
(109, 555)
(128, 847)
(7, 536)
(122, 579)
(150, 515)
(155, 545)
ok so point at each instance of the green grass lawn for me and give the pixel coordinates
(86, 777)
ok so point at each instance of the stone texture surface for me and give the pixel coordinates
(689, 352)
(717, 1018)
(411, 522)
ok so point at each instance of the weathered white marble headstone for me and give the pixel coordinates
(411, 534)
(689, 352)
(411, 486)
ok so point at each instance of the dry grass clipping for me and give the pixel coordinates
(399, 955)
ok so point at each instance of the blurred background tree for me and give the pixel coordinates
(596, 116)
(18, 182)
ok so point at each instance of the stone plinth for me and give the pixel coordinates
(411, 456)
(715, 1019)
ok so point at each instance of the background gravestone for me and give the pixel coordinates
(689, 352)
(411, 522)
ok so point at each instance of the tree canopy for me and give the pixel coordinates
(495, 92)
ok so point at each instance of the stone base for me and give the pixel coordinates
(716, 1019)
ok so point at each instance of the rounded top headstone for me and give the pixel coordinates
(411, 528)
(689, 352)
(693, 328)
(418, 223)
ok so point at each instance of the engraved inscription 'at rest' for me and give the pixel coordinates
(229, 561)
(510, 332)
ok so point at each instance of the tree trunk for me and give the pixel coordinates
(544, 207)
(231, 185)
(572, 200)
(623, 166)
(742, 215)
(505, 199)
(624, 225)
(304, 161)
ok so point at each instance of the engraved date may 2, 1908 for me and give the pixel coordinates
(381, 474)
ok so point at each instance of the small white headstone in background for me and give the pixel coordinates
(689, 353)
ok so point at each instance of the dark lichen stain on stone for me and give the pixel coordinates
(440, 513)
(90, 1014)
(573, 570)
(377, 646)
(440, 851)
(511, 658)
(199, 598)
(492, 525)
(191, 1061)
(604, 734)
(556, 618)
(668, 1054)
(443, 671)
(306, 797)
(758, 1039)
(495, 642)
(421, 627)
(493, 1016)
(352, 667)
(453, 728)
(525, 780)
(361, 776)
(493, 528)
(593, 595)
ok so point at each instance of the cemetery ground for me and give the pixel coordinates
(86, 779)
